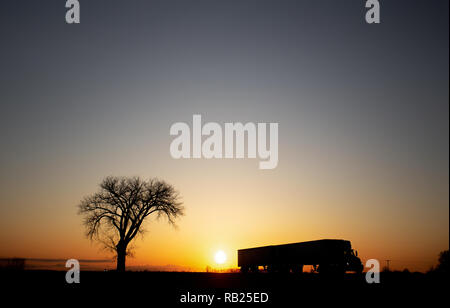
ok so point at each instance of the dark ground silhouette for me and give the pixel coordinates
(166, 288)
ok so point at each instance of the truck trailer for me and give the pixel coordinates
(326, 256)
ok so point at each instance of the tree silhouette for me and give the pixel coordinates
(444, 262)
(116, 213)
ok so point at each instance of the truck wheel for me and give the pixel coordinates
(254, 269)
(331, 270)
(325, 270)
(285, 269)
(360, 269)
(322, 269)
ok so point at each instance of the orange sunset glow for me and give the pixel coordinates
(235, 210)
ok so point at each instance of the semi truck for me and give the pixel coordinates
(326, 256)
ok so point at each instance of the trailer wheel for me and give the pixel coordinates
(254, 269)
(244, 269)
(297, 269)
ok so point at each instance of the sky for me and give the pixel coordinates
(362, 111)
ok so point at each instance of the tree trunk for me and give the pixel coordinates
(121, 255)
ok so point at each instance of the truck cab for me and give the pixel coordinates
(353, 263)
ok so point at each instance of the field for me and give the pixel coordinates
(229, 289)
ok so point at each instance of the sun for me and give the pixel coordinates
(220, 257)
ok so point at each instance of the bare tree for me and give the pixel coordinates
(115, 214)
(444, 262)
